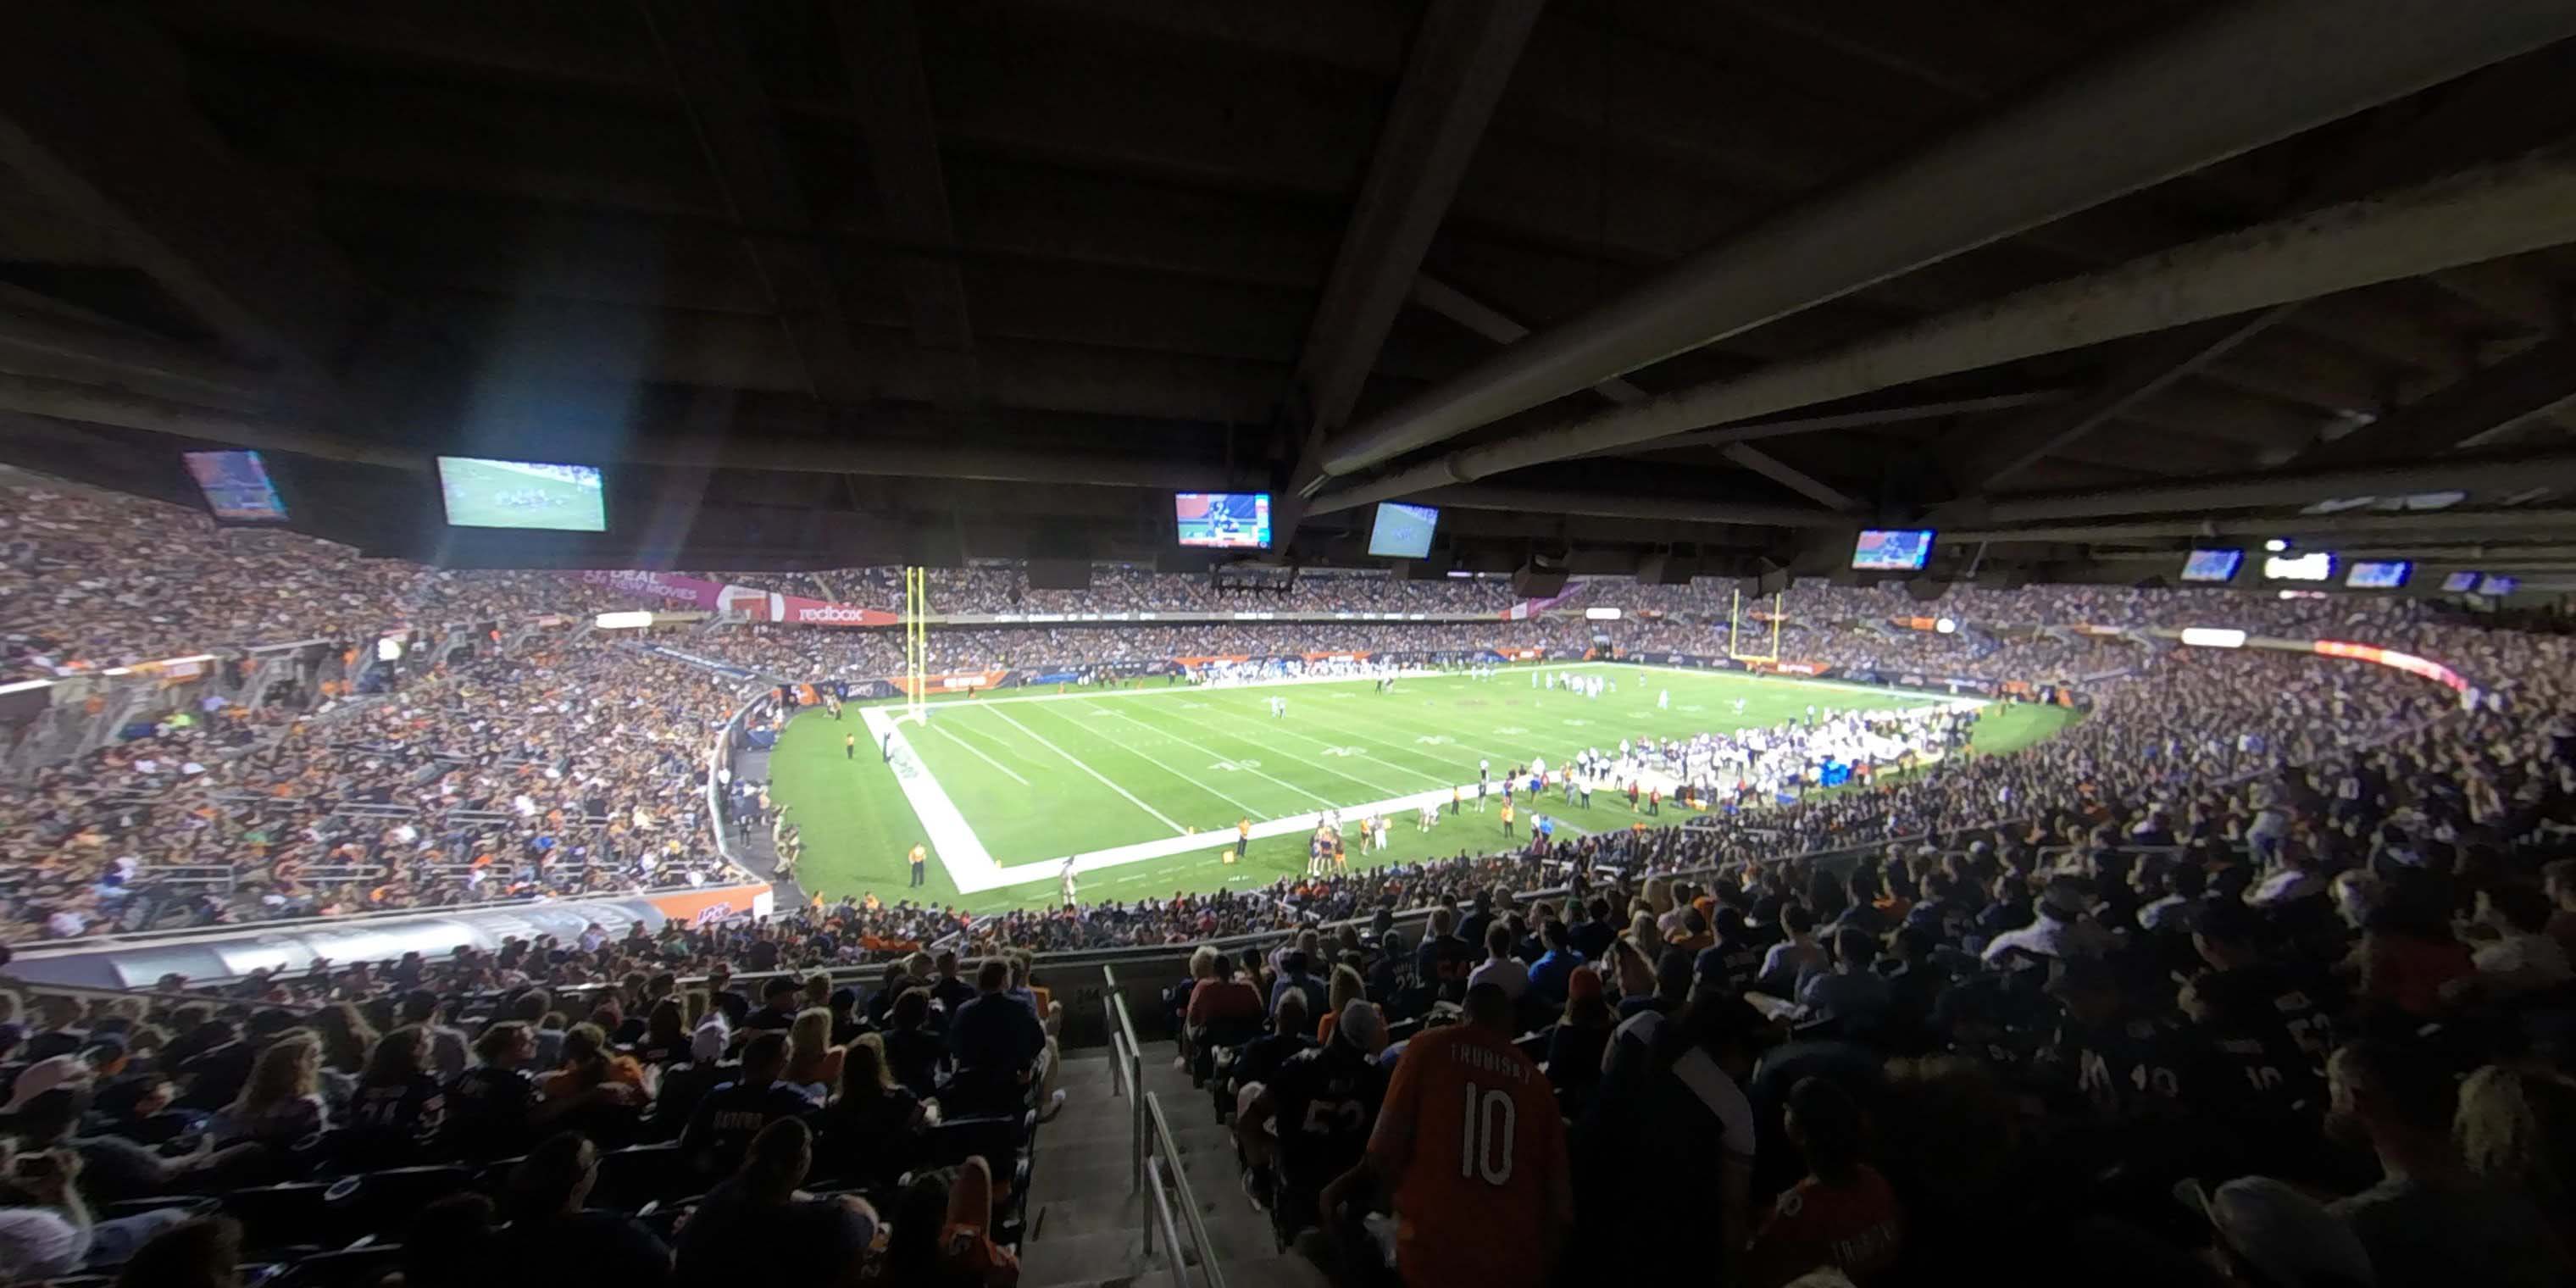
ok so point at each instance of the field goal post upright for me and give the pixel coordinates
(916, 645)
(1735, 627)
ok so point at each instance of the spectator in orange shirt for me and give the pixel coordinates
(1843, 1215)
(1471, 1145)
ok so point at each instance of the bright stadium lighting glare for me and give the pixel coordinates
(1600, 614)
(635, 619)
(2212, 637)
(2276, 545)
(1946, 626)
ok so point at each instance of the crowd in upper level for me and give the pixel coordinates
(570, 762)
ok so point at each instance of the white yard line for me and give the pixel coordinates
(1317, 797)
(1406, 770)
(1192, 779)
(959, 852)
(1105, 781)
(1281, 724)
(978, 753)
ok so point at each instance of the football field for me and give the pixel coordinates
(1145, 786)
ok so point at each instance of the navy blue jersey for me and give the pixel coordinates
(1325, 1102)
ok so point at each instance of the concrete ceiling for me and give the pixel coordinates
(828, 281)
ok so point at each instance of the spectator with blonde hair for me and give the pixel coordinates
(813, 1063)
(2516, 1127)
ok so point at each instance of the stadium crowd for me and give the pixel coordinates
(574, 767)
(2285, 1005)
(91, 580)
(512, 1133)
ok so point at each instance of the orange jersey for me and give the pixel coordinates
(1483, 1173)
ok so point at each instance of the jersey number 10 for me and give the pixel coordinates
(1490, 1118)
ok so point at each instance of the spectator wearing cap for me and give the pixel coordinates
(2064, 927)
(1853, 992)
(777, 1007)
(685, 1084)
(47, 1227)
(1579, 1040)
(2265, 1232)
(113, 1168)
(2429, 1222)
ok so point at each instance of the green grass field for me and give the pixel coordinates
(1037, 776)
(474, 489)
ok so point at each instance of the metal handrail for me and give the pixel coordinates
(1162, 1219)
(1117, 1036)
(1167, 1154)
(1123, 1034)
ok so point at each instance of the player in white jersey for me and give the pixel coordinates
(1066, 882)
(1278, 708)
(1663, 699)
(1739, 706)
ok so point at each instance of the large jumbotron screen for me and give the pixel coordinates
(1223, 520)
(483, 493)
(1892, 549)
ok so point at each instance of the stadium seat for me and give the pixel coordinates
(640, 1174)
(357, 1266)
(287, 1215)
(381, 1203)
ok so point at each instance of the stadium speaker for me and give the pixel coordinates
(1534, 582)
(1924, 590)
(2003, 578)
(1774, 580)
(1666, 570)
(1435, 568)
(1059, 574)
(2151, 583)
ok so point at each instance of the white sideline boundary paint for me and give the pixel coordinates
(951, 840)
(974, 870)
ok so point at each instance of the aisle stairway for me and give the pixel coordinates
(1085, 1223)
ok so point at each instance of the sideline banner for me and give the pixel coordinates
(722, 597)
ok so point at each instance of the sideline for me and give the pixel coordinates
(952, 842)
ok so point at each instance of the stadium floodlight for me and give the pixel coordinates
(633, 619)
(2276, 545)
(2213, 637)
(1600, 614)
(1946, 626)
